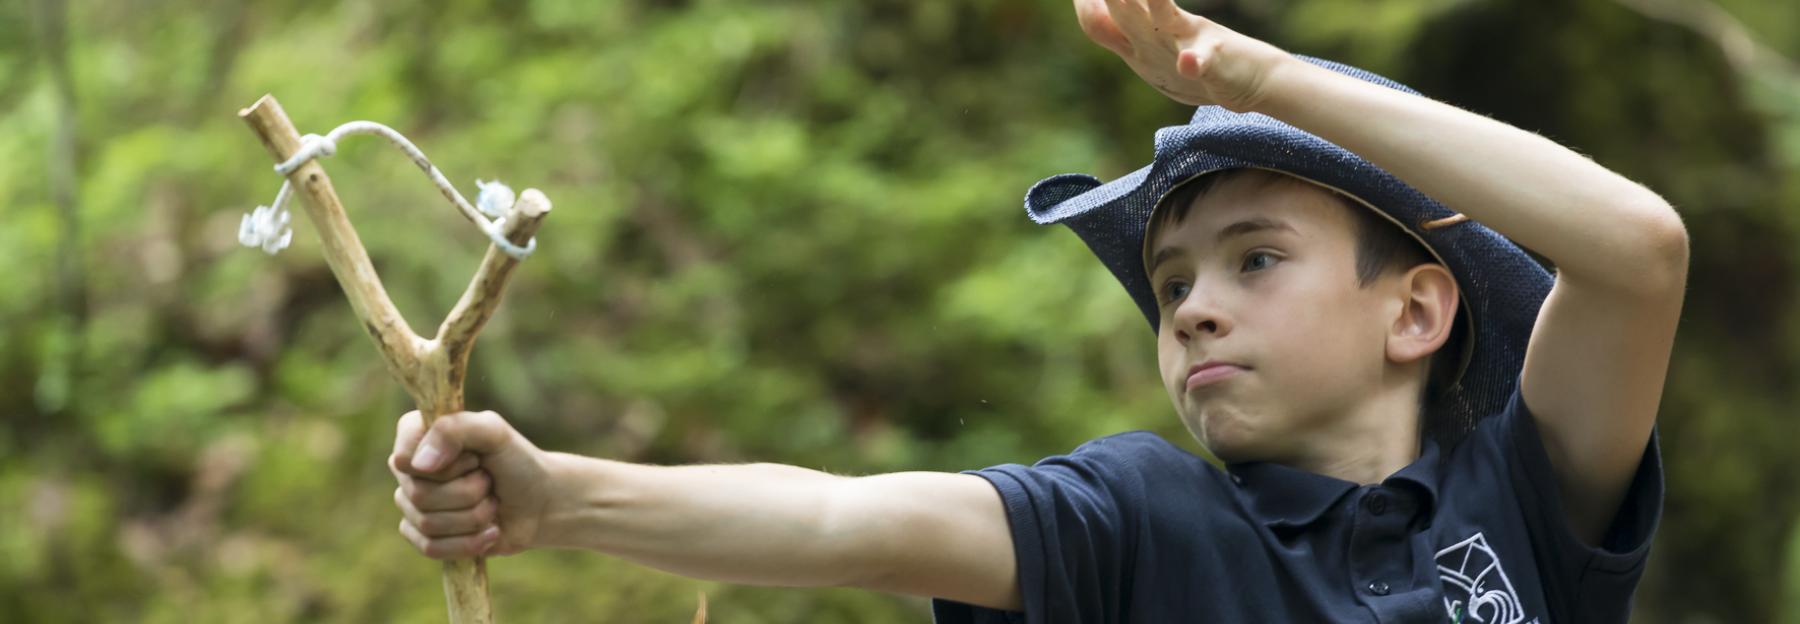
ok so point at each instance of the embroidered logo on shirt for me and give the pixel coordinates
(1475, 587)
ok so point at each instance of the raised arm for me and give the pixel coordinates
(1595, 366)
(1597, 358)
(921, 533)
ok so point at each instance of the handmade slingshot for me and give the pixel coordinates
(431, 369)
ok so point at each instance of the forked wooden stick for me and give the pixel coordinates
(431, 370)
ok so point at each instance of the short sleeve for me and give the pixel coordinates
(1583, 582)
(1072, 519)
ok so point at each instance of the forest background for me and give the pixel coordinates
(784, 231)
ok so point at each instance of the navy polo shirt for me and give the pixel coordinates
(1130, 528)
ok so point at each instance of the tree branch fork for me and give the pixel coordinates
(431, 369)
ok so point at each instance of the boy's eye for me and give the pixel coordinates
(1175, 291)
(1259, 260)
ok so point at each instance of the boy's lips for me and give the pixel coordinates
(1211, 372)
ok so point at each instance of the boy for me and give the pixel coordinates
(1419, 423)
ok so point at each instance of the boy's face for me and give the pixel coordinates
(1260, 278)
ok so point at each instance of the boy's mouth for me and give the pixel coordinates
(1211, 372)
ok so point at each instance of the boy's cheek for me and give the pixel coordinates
(1168, 359)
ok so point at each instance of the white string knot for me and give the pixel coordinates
(267, 226)
(311, 146)
(495, 199)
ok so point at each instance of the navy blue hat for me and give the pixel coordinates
(1501, 286)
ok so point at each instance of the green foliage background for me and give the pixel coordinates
(785, 231)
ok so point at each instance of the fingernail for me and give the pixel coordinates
(426, 458)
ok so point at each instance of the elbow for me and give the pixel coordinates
(1665, 244)
(1646, 251)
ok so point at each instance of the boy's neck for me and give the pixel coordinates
(1369, 442)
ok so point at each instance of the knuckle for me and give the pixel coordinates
(464, 463)
(476, 484)
(411, 536)
(439, 430)
(400, 464)
(489, 419)
(440, 549)
(431, 524)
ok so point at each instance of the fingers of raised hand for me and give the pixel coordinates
(1098, 24)
(1154, 24)
(1165, 9)
(1128, 14)
(1148, 12)
(450, 547)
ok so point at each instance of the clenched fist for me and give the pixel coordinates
(469, 486)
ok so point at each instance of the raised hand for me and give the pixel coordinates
(1187, 57)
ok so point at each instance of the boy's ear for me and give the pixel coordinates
(1427, 313)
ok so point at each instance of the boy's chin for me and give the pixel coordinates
(1229, 441)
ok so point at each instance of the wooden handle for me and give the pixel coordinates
(431, 370)
(466, 591)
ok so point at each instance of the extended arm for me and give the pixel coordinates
(921, 533)
(473, 484)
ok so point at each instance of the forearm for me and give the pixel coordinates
(764, 524)
(1592, 223)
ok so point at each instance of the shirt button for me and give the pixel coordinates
(1237, 480)
(1379, 588)
(1376, 502)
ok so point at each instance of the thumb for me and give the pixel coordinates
(1188, 64)
(482, 433)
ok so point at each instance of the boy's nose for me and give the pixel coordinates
(1196, 317)
(1205, 327)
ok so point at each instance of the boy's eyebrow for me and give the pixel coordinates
(1240, 228)
(1162, 255)
(1251, 225)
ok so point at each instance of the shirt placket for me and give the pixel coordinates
(1381, 558)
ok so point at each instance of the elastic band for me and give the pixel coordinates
(265, 227)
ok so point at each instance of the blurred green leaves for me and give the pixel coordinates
(784, 231)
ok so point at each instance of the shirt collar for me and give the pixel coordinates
(1422, 474)
(1283, 495)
